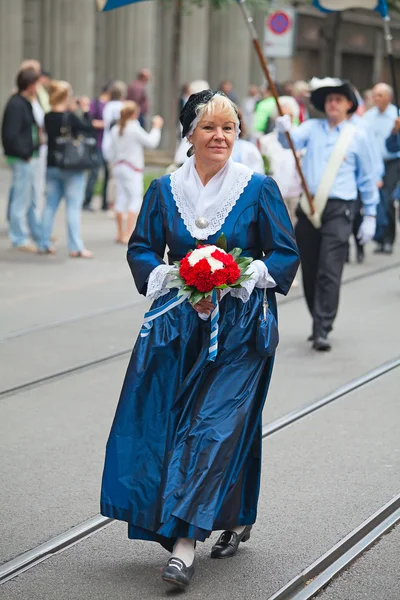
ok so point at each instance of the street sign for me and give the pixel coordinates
(279, 33)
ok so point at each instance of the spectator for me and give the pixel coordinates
(368, 98)
(185, 93)
(379, 123)
(20, 139)
(137, 92)
(249, 107)
(227, 88)
(128, 139)
(61, 182)
(112, 113)
(111, 116)
(245, 152)
(96, 113)
(263, 112)
(301, 92)
(281, 160)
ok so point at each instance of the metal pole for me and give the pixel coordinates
(257, 46)
(389, 48)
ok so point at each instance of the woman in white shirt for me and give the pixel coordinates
(127, 142)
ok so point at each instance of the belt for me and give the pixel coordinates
(128, 164)
(340, 200)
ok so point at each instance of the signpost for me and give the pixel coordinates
(279, 33)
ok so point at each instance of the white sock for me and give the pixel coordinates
(184, 549)
(239, 529)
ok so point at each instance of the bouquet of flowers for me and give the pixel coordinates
(209, 268)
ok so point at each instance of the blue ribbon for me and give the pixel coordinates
(150, 316)
(213, 349)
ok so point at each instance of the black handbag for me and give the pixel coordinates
(75, 153)
(267, 330)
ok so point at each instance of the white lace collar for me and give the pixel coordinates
(204, 209)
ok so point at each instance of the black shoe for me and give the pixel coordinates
(88, 208)
(310, 338)
(360, 255)
(177, 573)
(228, 543)
(321, 344)
(379, 249)
(387, 249)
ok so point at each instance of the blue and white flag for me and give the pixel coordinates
(104, 5)
(336, 5)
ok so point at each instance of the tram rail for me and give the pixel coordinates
(317, 575)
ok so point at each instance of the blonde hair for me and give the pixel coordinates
(218, 104)
(59, 92)
(287, 102)
(127, 112)
(31, 63)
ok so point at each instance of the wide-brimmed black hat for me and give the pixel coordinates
(319, 96)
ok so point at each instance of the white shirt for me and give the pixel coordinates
(129, 146)
(247, 153)
(111, 114)
(282, 164)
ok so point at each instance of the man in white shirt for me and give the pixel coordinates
(379, 122)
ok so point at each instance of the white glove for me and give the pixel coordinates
(283, 124)
(367, 230)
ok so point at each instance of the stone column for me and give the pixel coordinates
(230, 49)
(68, 42)
(32, 29)
(11, 45)
(195, 44)
(126, 42)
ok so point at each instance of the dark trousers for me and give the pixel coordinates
(92, 179)
(323, 253)
(390, 181)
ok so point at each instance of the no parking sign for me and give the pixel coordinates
(279, 32)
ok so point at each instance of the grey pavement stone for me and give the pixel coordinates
(321, 478)
(374, 576)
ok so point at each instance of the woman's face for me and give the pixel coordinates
(213, 139)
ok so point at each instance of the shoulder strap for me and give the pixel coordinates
(332, 168)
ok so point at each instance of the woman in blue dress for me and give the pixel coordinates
(184, 454)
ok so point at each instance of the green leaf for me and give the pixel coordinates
(196, 297)
(243, 263)
(222, 287)
(236, 252)
(222, 242)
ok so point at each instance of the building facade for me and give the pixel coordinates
(87, 48)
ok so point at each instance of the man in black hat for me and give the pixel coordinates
(337, 166)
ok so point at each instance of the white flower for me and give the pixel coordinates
(206, 253)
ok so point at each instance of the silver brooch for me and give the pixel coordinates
(201, 223)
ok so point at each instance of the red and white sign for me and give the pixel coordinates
(279, 33)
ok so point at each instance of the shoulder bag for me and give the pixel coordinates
(75, 153)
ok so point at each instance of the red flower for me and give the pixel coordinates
(200, 277)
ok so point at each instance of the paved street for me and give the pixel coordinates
(322, 476)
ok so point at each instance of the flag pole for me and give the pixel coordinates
(389, 49)
(257, 46)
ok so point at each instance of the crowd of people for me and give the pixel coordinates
(343, 138)
(56, 144)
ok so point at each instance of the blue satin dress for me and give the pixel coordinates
(184, 453)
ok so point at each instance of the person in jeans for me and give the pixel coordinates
(21, 141)
(61, 182)
(96, 112)
(128, 139)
